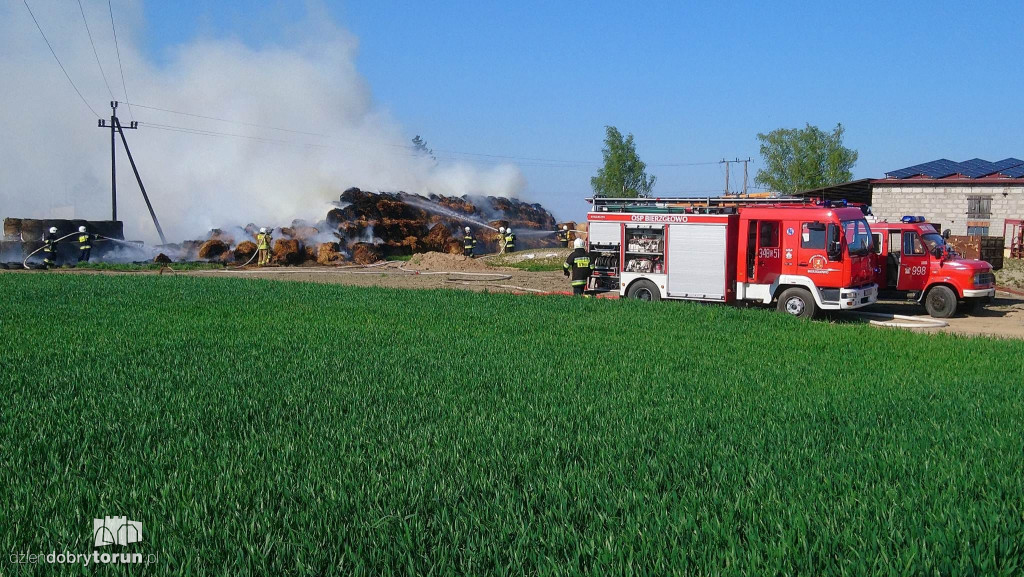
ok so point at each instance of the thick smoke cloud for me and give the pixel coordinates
(56, 161)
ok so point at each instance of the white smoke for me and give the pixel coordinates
(56, 162)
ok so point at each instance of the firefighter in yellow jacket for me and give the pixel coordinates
(263, 247)
(84, 244)
(577, 267)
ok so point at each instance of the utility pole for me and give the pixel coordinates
(116, 129)
(113, 154)
(727, 163)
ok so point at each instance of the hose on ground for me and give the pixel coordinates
(910, 322)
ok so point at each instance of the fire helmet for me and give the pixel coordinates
(53, 230)
(565, 227)
(263, 229)
(508, 230)
(467, 229)
(578, 243)
(81, 229)
(501, 229)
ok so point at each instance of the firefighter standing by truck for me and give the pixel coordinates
(577, 267)
(84, 244)
(468, 243)
(263, 247)
(50, 248)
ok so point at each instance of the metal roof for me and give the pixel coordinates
(858, 191)
(969, 169)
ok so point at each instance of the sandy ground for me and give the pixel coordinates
(1003, 318)
(431, 270)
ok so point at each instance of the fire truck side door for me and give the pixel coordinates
(812, 255)
(913, 269)
(768, 261)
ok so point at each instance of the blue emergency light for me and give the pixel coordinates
(912, 219)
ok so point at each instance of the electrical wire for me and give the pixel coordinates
(94, 53)
(66, 75)
(119, 65)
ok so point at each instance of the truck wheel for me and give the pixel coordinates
(940, 302)
(797, 302)
(644, 290)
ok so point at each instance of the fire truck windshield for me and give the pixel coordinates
(858, 236)
(934, 242)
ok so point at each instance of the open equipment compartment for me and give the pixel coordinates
(645, 249)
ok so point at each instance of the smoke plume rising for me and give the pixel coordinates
(56, 162)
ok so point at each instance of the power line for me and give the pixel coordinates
(451, 154)
(116, 47)
(66, 75)
(94, 53)
(251, 124)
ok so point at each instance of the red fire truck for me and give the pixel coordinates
(803, 257)
(915, 262)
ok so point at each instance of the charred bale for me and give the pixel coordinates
(287, 251)
(329, 253)
(245, 250)
(212, 250)
(437, 238)
(364, 253)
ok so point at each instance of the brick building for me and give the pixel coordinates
(969, 198)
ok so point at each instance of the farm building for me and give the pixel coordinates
(971, 198)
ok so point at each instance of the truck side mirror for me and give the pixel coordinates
(835, 250)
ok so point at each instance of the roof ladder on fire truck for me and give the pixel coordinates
(704, 205)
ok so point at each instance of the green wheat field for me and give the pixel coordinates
(272, 428)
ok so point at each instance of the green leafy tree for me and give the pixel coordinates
(797, 159)
(421, 147)
(624, 174)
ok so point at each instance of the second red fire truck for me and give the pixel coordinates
(914, 262)
(803, 258)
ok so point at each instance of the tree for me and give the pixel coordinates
(421, 147)
(624, 174)
(797, 159)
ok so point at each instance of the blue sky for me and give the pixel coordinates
(694, 82)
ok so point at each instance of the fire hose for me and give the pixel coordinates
(910, 322)
(24, 263)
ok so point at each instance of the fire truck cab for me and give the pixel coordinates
(914, 262)
(804, 258)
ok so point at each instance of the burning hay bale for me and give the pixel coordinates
(288, 251)
(437, 238)
(329, 253)
(213, 250)
(453, 246)
(365, 253)
(245, 250)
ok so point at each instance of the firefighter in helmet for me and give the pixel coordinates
(263, 247)
(577, 267)
(563, 235)
(50, 248)
(510, 240)
(501, 239)
(84, 244)
(468, 243)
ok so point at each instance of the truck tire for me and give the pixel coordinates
(940, 302)
(798, 302)
(644, 290)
